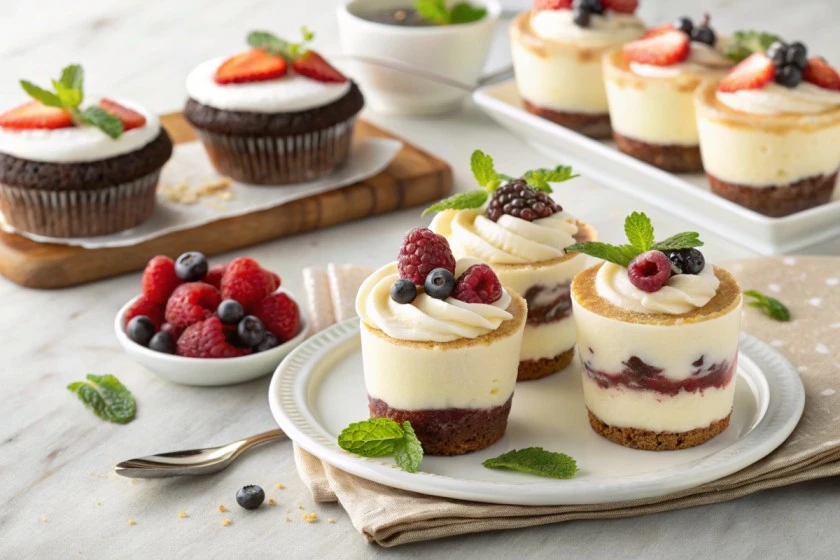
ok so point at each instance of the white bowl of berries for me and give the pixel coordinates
(197, 325)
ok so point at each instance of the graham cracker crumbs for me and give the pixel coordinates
(133, 481)
(182, 514)
(272, 502)
(288, 519)
(132, 522)
(310, 517)
(98, 503)
(226, 522)
(43, 520)
(330, 520)
(184, 193)
(300, 506)
(221, 508)
(279, 486)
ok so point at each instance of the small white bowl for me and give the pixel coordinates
(457, 52)
(206, 371)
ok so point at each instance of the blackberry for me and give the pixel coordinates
(519, 200)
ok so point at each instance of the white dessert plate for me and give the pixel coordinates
(687, 194)
(319, 389)
(204, 372)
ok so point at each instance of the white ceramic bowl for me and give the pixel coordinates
(206, 371)
(457, 52)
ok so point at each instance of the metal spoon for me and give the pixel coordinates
(193, 461)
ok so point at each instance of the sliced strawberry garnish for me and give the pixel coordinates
(552, 5)
(660, 50)
(312, 65)
(821, 73)
(36, 115)
(751, 73)
(256, 65)
(661, 30)
(621, 6)
(130, 119)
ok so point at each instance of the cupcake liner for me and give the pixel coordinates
(80, 213)
(279, 160)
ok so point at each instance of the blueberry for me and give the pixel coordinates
(777, 52)
(191, 267)
(685, 25)
(270, 341)
(593, 6)
(439, 283)
(704, 34)
(797, 54)
(230, 312)
(789, 76)
(687, 261)
(163, 342)
(141, 330)
(403, 291)
(250, 497)
(251, 331)
(581, 16)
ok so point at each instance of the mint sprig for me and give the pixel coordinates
(280, 47)
(490, 180)
(770, 306)
(68, 94)
(379, 437)
(106, 397)
(437, 12)
(746, 42)
(535, 460)
(639, 232)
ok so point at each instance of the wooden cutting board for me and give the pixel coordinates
(413, 178)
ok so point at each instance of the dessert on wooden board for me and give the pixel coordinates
(276, 114)
(76, 167)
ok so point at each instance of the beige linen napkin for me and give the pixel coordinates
(809, 286)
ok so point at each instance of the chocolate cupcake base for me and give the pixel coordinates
(592, 125)
(537, 369)
(449, 431)
(778, 200)
(658, 441)
(670, 157)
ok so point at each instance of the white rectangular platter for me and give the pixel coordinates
(686, 194)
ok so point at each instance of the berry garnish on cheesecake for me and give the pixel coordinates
(769, 127)
(440, 345)
(522, 233)
(72, 167)
(650, 84)
(658, 338)
(557, 49)
(278, 113)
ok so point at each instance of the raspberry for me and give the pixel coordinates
(478, 284)
(519, 200)
(246, 282)
(649, 271)
(423, 251)
(159, 279)
(190, 303)
(207, 339)
(214, 275)
(143, 306)
(273, 281)
(280, 315)
(174, 332)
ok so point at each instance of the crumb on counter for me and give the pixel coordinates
(330, 520)
(310, 517)
(43, 520)
(279, 486)
(221, 508)
(226, 522)
(300, 506)
(133, 481)
(272, 502)
(183, 193)
(288, 519)
(182, 514)
(132, 522)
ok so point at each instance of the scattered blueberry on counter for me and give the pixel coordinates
(250, 496)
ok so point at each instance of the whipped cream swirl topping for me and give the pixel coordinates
(511, 240)
(702, 58)
(682, 294)
(611, 28)
(774, 99)
(427, 319)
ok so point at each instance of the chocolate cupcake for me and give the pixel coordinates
(274, 115)
(72, 172)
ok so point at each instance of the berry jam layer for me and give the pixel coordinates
(670, 157)
(640, 376)
(778, 200)
(450, 431)
(595, 125)
(548, 304)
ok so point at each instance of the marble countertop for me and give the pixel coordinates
(60, 496)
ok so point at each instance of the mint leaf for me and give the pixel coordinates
(539, 179)
(371, 438)
(280, 47)
(107, 397)
(535, 460)
(433, 10)
(639, 231)
(408, 453)
(73, 77)
(482, 168)
(70, 97)
(744, 43)
(685, 240)
(101, 119)
(466, 13)
(770, 306)
(40, 94)
(618, 254)
(460, 201)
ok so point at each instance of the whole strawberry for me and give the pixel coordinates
(191, 303)
(246, 282)
(159, 279)
(207, 339)
(280, 315)
(421, 252)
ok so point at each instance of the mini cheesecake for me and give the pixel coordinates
(650, 87)
(447, 366)
(768, 146)
(557, 59)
